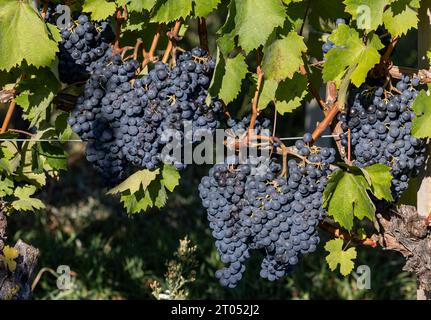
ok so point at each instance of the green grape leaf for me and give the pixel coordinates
(25, 37)
(137, 5)
(170, 10)
(170, 177)
(352, 53)
(226, 41)
(291, 1)
(338, 256)
(380, 179)
(63, 129)
(9, 156)
(158, 195)
(267, 95)
(36, 95)
(99, 9)
(204, 7)
(346, 197)
(53, 155)
(154, 195)
(6, 187)
(367, 13)
(400, 17)
(229, 77)
(421, 127)
(287, 95)
(283, 57)
(25, 202)
(255, 20)
(142, 178)
(136, 202)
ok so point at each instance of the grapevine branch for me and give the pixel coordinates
(327, 121)
(341, 234)
(8, 116)
(173, 37)
(203, 33)
(149, 56)
(120, 18)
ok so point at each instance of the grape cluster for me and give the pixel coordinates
(85, 46)
(380, 123)
(251, 207)
(127, 121)
(328, 45)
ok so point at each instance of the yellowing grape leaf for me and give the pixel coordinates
(25, 202)
(284, 57)
(8, 257)
(139, 179)
(338, 256)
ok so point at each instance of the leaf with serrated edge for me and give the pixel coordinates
(137, 5)
(235, 72)
(24, 36)
(346, 196)
(170, 177)
(354, 53)
(255, 20)
(367, 13)
(25, 202)
(6, 187)
(381, 181)
(171, 10)
(338, 256)
(135, 181)
(421, 127)
(290, 93)
(284, 57)
(398, 21)
(204, 7)
(99, 9)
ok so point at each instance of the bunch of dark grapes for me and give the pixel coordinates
(85, 46)
(250, 206)
(328, 45)
(130, 121)
(95, 119)
(380, 124)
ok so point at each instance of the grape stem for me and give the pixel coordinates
(397, 72)
(44, 10)
(341, 234)
(203, 33)
(173, 37)
(21, 132)
(255, 102)
(327, 121)
(138, 45)
(149, 56)
(8, 116)
(120, 18)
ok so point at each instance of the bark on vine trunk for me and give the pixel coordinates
(402, 229)
(17, 285)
